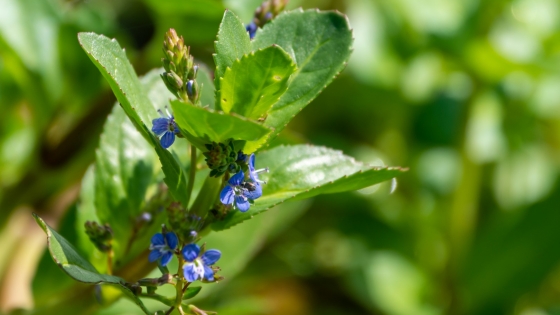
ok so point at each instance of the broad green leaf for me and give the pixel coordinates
(68, 259)
(113, 64)
(204, 78)
(303, 171)
(255, 82)
(203, 125)
(232, 43)
(319, 43)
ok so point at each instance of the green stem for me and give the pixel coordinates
(157, 297)
(179, 285)
(192, 173)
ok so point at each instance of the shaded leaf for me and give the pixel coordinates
(319, 43)
(303, 171)
(255, 82)
(191, 292)
(68, 259)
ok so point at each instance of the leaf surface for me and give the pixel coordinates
(204, 125)
(232, 43)
(111, 60)
(255, 82)
(68, 259)
(319, 43)
(303, 171)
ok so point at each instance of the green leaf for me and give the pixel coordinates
(204, 78)
(203, 125)
(232, 43)
(191, 292)
(68, 259)
(319, 43)
(113, 64)
(255, 82)
(124, 168)
(303, 171)
(111, 60)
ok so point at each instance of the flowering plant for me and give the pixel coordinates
(164, 184)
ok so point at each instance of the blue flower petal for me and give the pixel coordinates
(166, 258)
(158, 239)
(154, 255)
(242, 203)
(190, 252)
(226, 195)
(189, 273)
(255, 194)
(167, 139)
(252, 162)
(211, 256)
(208, 273)
(171, 240)
(237, 179)
(160, 125)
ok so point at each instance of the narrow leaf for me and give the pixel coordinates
(303, 171)
(255, 82)
(203, 125)
(232, 43)
(191, 292)
(111, 60)
(68, 259)
(319, 43)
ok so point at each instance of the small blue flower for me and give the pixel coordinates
(166, 128)
(251, 29)
(241, 192)
(163, 247)
(234, 193)
(197, 266)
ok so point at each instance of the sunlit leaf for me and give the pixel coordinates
(303, 171)
(255, 82)
(319, 43)
(232, 43)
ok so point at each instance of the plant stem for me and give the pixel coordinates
(179, 285)
(192, 173)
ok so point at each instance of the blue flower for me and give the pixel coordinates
(234, 193)
(163, 247)
(166, 128)
(197, 266)
(251, 29)
(241, 192)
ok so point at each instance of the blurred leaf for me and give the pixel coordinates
(111, 60)
(232, 43)
(319, 43)
(255, 82)
(191, 292)
(204, 78)
(512, 255)
(66, 257)
(304, 171)
(203, 125)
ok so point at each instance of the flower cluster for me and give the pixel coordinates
(180, 70)
(222, 157)
(240, 191)
(100, 235)
(264, 14)
(198, 262)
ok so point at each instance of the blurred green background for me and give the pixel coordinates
(464, 92)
